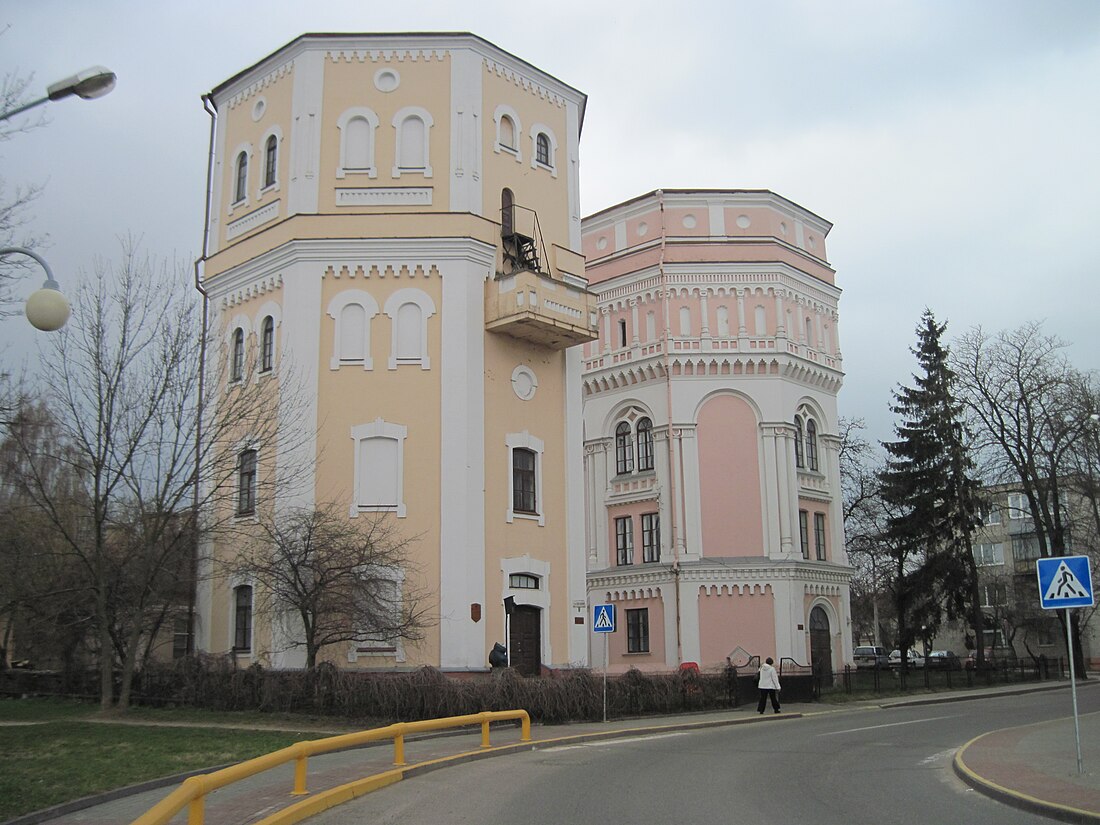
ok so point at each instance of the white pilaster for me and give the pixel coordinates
(576, 554)
(691, 530)
(466, 141)
(303, 193)
(689, 622)
(769, 494)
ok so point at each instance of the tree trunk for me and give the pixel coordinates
(128, 663)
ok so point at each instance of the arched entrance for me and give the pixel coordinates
(821, 641)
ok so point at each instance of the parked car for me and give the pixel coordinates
(870, 656)
(914, 659)
(994, 657)
(943, 660)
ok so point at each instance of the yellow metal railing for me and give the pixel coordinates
(191, 793)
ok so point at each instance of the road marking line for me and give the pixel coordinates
(939, 757)
(890, 725)
(607, 742)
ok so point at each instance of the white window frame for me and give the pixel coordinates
(542, 129)
(235, 204)
(1018, 509)
(387, 649)
(243, 323)
(502, 111)
(526, 441)
(263, 188)
(379, 429)
(427, 309)
(335, 307)
(399, 120)
(367, 114)
(275, 312)
(989, 554)
(235, 583)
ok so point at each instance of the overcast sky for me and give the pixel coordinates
(952, 144)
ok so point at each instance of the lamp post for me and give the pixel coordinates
(47, 308)
(87, 85)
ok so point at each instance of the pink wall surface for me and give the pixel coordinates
(729, 478)
(634, 511)
(812, 508)
(729, 619)
(620, 660)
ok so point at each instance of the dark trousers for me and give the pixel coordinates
(764, 694)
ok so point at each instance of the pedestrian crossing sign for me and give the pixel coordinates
(1064, 581)
(603, 618)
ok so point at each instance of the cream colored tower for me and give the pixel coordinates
(394, 221)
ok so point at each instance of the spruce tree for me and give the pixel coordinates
(931, 498)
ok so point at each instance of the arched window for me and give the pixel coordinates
(799, 452)
(507, 133)
(645, 444)
(413, 125)
(240, 190)
(357, 127)
(353, 326)
(237, 366)
(267, 344)
(409, 311)
(352, 310)
(408, 333)
(271, 154)
(624, 449)
(811, 443)
(544, 146)
(379, 467)
(542, 149)
(246, 483)
(242, 618)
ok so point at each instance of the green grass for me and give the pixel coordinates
(58, 761)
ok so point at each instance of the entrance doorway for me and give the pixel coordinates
(525, 642)
(821, 642)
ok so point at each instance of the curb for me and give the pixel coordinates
(1016, 799)
(967, 697)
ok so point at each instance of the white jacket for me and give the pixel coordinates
(768, 678)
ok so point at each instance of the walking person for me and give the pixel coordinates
(768, 683)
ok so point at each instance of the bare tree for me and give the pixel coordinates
(1023, 398)
(345, 580)
(121, 380)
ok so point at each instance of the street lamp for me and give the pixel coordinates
(88, 85)
(47, 308)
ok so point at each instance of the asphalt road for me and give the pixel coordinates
(863, 765)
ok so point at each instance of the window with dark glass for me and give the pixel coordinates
(523, 480)
(267, 344)
(804, 532)
(799, 453)
(237, 369)
(542, 149)
(624, 541)
(811, 443)
(624, 449)
(523, 581)
(181, 637)
(622, 332)
(819, 535)
(645, 444)
(637, 630)
(242, 619)
(246, 483)
(651, 537)
(271, 153)
(241, 187)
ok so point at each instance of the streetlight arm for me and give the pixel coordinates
(20, 109)
(47, 308)
(87, 85)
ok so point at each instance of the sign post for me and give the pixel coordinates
(1065, 582)
(603, 621)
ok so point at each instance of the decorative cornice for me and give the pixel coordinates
(385, 196)
(260, 84)
(254, 219)
(525, 83)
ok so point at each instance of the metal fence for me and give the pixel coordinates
(894, 680)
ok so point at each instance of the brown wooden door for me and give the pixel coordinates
(821, 642)
(526, 641)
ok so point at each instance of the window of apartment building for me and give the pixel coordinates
(246, 483)
(181, 637)
(413, 125)
(1017, 506)
(267, 344)
(236, 368)
(994, 594)
(819, 535)
(804, 532)
(991, 514)
(409, 311)
(1025, 547)
(624, 449)
(240, 188)
(988, 554)
(624, 541)
(637, 630)
(379, 467)
(242, 618)
(1045, 636)
(645, 444)
(651, 537)
(523, 581)
(271, 154)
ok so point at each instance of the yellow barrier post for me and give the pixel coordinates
(525, 727)
(399, 749)
(484, 732)
(301, 765)
(196, 813)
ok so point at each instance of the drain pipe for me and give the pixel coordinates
(208, 106)
(672, 461)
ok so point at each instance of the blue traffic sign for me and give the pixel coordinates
(603, 618)
(1064, 581)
